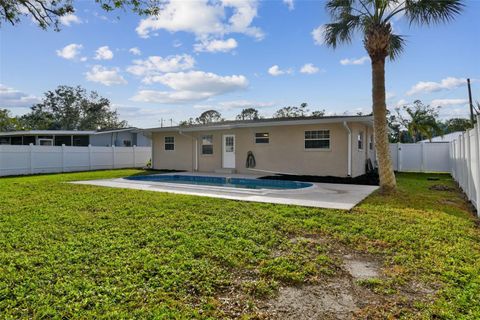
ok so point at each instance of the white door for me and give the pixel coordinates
(229, 151)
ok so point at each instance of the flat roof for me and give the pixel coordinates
(64, 132)
(233, 124)
(46, 132)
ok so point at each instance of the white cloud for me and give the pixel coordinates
(135, 51)
(430, 86)
(70, 51)
(309, 68)
(103, 53)
(234, 104)
(191, 86)
(204, 18)
(105, 76)
(401, 103)
(448, 102)
(12, 98)
(156, 65)
(276, 71)
(354, 61)
(290, 4)
(69, 19)
(216, 45)
(318, 35)
(389, 95)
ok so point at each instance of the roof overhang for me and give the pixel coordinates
(46, 132)
(258, 124)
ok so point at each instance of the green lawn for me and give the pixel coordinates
(78, 251)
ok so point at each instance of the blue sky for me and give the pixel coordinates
(230, 55)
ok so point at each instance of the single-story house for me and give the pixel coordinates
(334, 146)
(125, 137)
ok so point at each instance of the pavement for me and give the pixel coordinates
(319, 195)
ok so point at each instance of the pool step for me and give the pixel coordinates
(225, 170)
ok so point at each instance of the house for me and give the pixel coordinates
(323, 146)
(125, 137)
(445, 138)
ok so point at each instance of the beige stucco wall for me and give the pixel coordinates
(284, 154)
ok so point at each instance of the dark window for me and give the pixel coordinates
(66, 140)
(371, 142)
(4, 140)
(207, 144)
(169, 143)
(81, 141)
(319, 139)
(360, 141)
(28, 139)
(127, 143)
(16, 141)
(262, 137)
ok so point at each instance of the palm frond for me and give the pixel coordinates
(342, 31)
(396, 46)
(432, 11)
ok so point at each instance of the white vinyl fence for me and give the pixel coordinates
(421, 157)
(465, 159)
(31, 159)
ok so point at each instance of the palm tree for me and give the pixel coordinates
(372, 18)
(421, 121)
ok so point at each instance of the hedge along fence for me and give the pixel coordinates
(31, 159)
(465, 163)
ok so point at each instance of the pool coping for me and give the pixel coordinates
(319, 195)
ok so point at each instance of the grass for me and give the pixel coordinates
(78, 251)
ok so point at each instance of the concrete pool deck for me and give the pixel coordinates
(320, 195)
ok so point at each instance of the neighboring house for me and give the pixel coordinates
(126, 137)
(445, 138)
(335, 146)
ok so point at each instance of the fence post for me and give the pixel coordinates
(31, 157)
(422, 157)
(113, 156)
(468, 155)
(1, 160)
(134, 156)
(477, 148)
(63, 157)
(89, 157)
(399, 157)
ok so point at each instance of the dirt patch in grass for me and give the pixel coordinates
(441, 187)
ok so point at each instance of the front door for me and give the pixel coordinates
(229, 151)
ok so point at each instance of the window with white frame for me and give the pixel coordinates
(370, 145)
(169, 143)
(207, 144)
(360, 140)
(262, 137)
(318, 139)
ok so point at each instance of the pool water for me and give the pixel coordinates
(224, 182)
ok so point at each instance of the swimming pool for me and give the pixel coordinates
(224, 181)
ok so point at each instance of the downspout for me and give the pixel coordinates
(349, 153)
(195, 159)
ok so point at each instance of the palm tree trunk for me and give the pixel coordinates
(388, 183)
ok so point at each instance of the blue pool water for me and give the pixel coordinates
(224, 182)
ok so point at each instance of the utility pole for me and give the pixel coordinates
(161, 122)
(171, 122)
(472, 119)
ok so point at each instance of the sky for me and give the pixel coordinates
(228, 55)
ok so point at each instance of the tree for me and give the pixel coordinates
(292, 111)
(47, 13)
(456, 124)
(72, 108)
(420, 120)
(248, 114)
(373, 20)
(7, 122)
(318, 113)
(209, 116)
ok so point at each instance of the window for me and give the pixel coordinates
(319, 139)
(207, 144)
(66, 140)
(370, 144)
(262, 137)
(127, 143)
(360, 141)
(169, 143)
(81, 141)
(16, 141)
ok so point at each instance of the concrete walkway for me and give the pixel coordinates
(320, 195)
